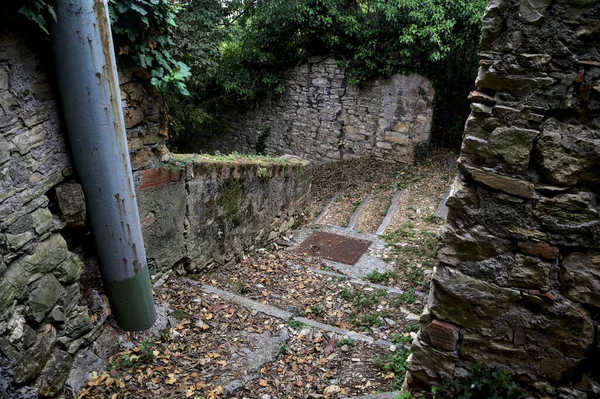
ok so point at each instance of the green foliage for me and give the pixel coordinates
(295, 325)
(239, 50)
(143, 36)
(376, 277)
(37, 11)
(396, 363)
(345, 341)
(405, 298)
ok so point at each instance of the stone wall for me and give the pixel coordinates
(53, 333)
(518, 279)
(52, 329)
(44, 323)
(218, 208)
(322, 118)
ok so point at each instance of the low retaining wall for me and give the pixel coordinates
(199, 212)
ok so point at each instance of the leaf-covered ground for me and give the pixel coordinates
(216, 349)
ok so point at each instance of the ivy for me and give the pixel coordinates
(143, 36)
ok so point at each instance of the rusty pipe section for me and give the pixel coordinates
(89, 87)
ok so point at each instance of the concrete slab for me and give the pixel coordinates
(390, 214)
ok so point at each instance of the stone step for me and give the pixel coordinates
(325, 209)
(284, 315)
(390, 214)
(383, 395)
(355, 281)
(354, 218)
(441, 211)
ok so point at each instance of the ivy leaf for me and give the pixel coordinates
(141, 10)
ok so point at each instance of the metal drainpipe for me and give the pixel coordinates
(89, 86)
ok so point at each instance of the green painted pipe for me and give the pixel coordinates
(89, 86)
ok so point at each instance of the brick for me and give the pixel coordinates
(156, 178)
(539, 249)
(443, 335)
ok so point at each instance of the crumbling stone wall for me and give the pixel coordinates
(50, 333)
(43, 322)
(218, 209)
(322, 118)
(53, 333)
(518, 279)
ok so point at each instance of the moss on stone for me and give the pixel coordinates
(232, 196)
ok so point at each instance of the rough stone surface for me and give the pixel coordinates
(321, 118)
(519, 270)
(72, 203)
(43, 326)
(219, 209)
(581, 277)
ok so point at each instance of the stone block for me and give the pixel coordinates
(47, 256)
(15, 242)
(466, 301)
(443, 335)
(141, 158)
(43, 296)
(531, 273)
(580, 276)
(69, 270)
(54, 374)
(30, 139)
(533, 10)
(509, 185)
(567, 209)
(31, 362)
(475, 244)
(508, 149)
(133, 116)
(71, 200)
(42, 220)
(568, 154)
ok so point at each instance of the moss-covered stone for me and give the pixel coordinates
(69, 270)
(231, 197)
(44, 296)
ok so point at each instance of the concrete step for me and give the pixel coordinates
(356, 215)
(284, 315)
(390, 214)
(321, 216)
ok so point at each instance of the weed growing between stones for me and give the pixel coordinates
(483, 383)
(394, 367)
(295, 325)
(377, 277)
(345, 341)
(407, 297)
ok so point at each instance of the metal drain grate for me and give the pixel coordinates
(334, 247)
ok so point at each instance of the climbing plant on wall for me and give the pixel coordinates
(142, 33)
(257, 40)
